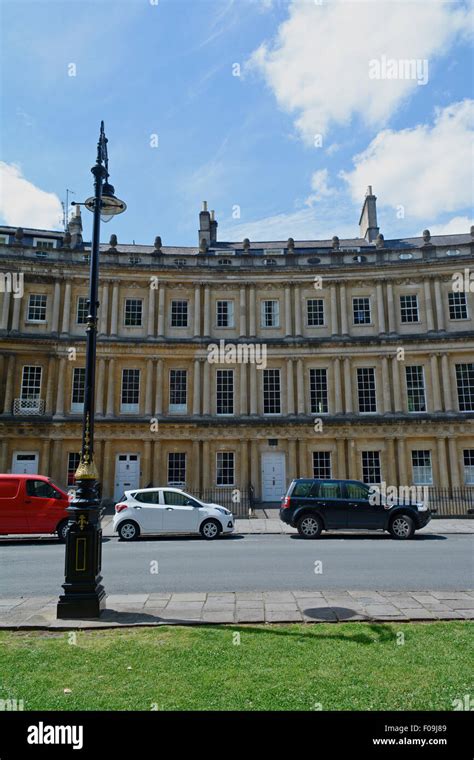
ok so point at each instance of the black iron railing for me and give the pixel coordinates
(451, 502)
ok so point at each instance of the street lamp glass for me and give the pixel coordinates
(110, 205)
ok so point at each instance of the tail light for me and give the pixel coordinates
(286, 502)
(120, 507)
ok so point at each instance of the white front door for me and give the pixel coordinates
(25, 463)
(127, 474)
(273, 476)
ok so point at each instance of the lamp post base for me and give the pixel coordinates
(84, 596)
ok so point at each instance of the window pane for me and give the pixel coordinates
(371, 467)
(318, 391)
(271, 391)
(321, 464)
(225, 391)
(366, 389)
(225, 468)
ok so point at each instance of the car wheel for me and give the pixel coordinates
(310, 526)
(128, 531)
(210, 529)
(402, 527)
(62, 530)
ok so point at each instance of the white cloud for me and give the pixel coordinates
(458, 225)
(426, 169)
(320, 187)
(23, 204)
(318, 64)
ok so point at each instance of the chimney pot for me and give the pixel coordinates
(204, 205)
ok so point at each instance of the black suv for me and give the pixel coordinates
(312, 506)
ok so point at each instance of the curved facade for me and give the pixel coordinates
(232, 364)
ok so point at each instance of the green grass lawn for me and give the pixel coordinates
(351, 666)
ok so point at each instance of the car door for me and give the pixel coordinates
(181, 513)
(12, 506)
(42, 500)
(149, 511)
(333, 506)
(361, 513)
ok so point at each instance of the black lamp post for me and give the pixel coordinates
(84, 596)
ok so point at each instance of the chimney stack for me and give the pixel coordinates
(368, 218)
(75, 228)
(207, 226)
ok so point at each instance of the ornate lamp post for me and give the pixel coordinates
(84, 596)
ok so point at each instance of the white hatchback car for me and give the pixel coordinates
(169, 510)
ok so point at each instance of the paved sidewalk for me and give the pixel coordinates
(275, 525)
(246, 607)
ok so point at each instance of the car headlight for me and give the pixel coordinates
(422, 507)
(223, 510)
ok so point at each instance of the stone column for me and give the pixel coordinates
(391, 462)
(9, 385)
(297, 297)
(290, 387)
(57, 471)
(244, 471)
(334, 323)
(6, 309)
(207, 311)
(287, 311)
(48, 406)
(336, 369)
(156, 464)
(146, 466)
(16, 314)
(60, 388)
(65, 327)
(353, 460)
(115, 310)
(340, 471)
(347, 386)
(292, 467)
(107, 470)
(45, 449)
(392, 323)
(442, 462)
(300, 386)
(148, 387)
(428, 306)
(197, 387)
(387, 405)
(436, 390)
(397, 395)
(243, 313)
(303, 458)
(253, 389)
(255, 468)
(206, 389)
(402, 463)
(252, 312)
(196, 466)
(243, 390)
(343, 298)
(161, 311)
(99, 389)
(159, 388)
(56, 304)
(380, 308)
(446, 383)
(111, 389)
(151, 312)
(206, 465)
(454, 462)
(3, 455)
(104, 309)
(197, 311)
(439, 305)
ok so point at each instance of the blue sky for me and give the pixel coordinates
(287, 148)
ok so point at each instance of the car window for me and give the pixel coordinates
(147, 497)
(41, 489)
(175, 498)
(302, 489)
(357, 491)
(329, 490)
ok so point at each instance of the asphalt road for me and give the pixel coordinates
(250, 563)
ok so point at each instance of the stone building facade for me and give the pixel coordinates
(230, 364)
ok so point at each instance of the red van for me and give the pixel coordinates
(32, 504)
